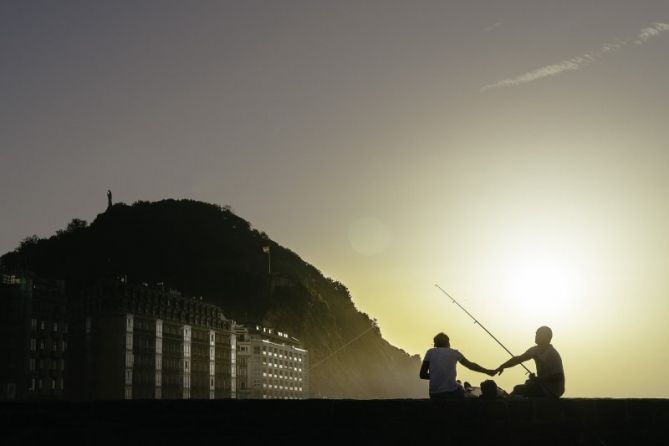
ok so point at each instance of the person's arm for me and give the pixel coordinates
(475, 367)
(425, 370)
(516, 360)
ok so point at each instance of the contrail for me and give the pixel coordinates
(578, 62)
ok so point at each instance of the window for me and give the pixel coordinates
(128, 341)
(41, 344)
(42, 325)
(55, 327)
(89, 323)
(33, 344)
(31, 364)
(33, 324)
(32, 384)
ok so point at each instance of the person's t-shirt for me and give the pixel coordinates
(549, 367)
(442, 362)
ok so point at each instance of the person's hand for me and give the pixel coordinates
(491, 372)
(499, 370)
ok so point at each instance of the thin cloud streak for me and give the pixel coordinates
(578, 62)
(648, 33)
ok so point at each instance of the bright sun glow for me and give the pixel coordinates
(541, 286)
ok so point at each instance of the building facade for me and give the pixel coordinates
(123, 341)
(270, 364)
(33, 337)
(136, 342)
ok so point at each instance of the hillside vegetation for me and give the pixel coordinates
(206, 250)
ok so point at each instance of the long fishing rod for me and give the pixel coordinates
(480, 325)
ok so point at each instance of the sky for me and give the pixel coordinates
(516, 153)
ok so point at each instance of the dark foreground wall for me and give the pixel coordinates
(524, 422)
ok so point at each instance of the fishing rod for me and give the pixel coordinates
(480, 325)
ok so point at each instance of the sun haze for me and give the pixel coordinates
(513, 152)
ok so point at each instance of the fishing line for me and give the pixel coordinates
(341, 348)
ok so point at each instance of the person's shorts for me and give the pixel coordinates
(454, 395)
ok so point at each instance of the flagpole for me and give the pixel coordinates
(267, 251)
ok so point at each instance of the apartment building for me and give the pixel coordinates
(271, 364)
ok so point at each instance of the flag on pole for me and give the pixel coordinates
(265, 249)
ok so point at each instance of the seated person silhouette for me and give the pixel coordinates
(549, 381)
(439, 367)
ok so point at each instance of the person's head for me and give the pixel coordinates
(489, 390)
(543, 336)
(441, 340)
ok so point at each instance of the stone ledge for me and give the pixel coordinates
(520, 422)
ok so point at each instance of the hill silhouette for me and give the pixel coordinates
(206, 250)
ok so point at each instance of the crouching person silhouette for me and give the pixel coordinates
(549, 381)
(439, 367)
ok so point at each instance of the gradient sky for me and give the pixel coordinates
(515, 152)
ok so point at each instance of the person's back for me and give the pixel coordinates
(442, 369)
(439, 367)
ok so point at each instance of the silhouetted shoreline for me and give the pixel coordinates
(472, 421)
